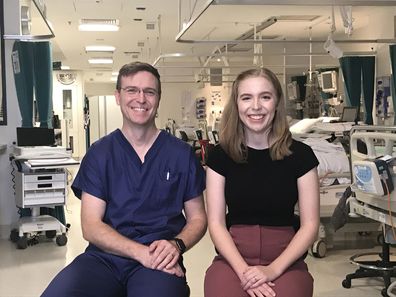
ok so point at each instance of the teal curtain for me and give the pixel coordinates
(355, 70)
(392, 52)
(43, 82)
(32, 65)
(23, 76)
(368, 75)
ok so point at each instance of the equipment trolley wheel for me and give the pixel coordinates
(384, 292)
(22, 242)
(50, 234)
(319, 249)
(346, 283)
(61, 240)
(14, 235)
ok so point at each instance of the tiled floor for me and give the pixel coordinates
(26, 273)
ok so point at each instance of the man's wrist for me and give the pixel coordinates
(180, 245)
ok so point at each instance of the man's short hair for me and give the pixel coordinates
(135, 67)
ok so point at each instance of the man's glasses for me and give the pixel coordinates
(134, 91)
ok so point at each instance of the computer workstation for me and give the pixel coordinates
(40, 180)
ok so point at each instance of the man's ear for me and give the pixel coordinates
(117, 96)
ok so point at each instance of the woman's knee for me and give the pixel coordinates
(296, 283)
(222, 281)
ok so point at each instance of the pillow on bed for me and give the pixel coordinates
(304, 126)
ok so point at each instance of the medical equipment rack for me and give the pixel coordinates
(39, 183)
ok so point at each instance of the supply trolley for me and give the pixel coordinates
(40, 180)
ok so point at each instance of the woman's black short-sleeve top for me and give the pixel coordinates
(262, 191)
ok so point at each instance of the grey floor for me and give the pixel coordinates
(27, 272)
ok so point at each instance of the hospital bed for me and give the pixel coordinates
(375, 198)
(331, 147)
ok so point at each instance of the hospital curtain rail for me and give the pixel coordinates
(355, 71)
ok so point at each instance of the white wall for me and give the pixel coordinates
(97, 89)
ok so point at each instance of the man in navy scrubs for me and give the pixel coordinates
(134, 185)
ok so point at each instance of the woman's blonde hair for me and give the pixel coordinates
(232, 137)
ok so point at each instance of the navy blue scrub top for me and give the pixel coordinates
(144, 201)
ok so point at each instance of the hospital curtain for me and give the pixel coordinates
(368, 73)
(392, 52)
(21, 55)
(354, 70)
(43, 82)
(32, 65)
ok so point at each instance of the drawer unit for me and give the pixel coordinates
(40, 188)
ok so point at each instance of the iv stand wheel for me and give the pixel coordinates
(319, 249)
(14, 235)
(22, 242)
(384, 292)
(61, 240)
(346, 283)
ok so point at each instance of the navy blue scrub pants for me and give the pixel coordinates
(98, 274)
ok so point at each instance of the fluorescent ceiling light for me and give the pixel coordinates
(64, 67)
(100, 61)
(99, 48)
(98, 25)
(114, 73)
(113, 78)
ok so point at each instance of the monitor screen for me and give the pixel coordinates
(329, 81)
(35, 136)
(349, 114)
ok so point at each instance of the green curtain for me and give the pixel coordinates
(21, 55)
(392, 52)
(355, 70)
(368, 75)
(32, 65)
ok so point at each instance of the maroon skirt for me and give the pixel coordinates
(258, 245)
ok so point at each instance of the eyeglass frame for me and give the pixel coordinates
(148, 92)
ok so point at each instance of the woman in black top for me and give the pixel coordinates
(255, 177)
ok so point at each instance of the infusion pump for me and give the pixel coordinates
(373, 176)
